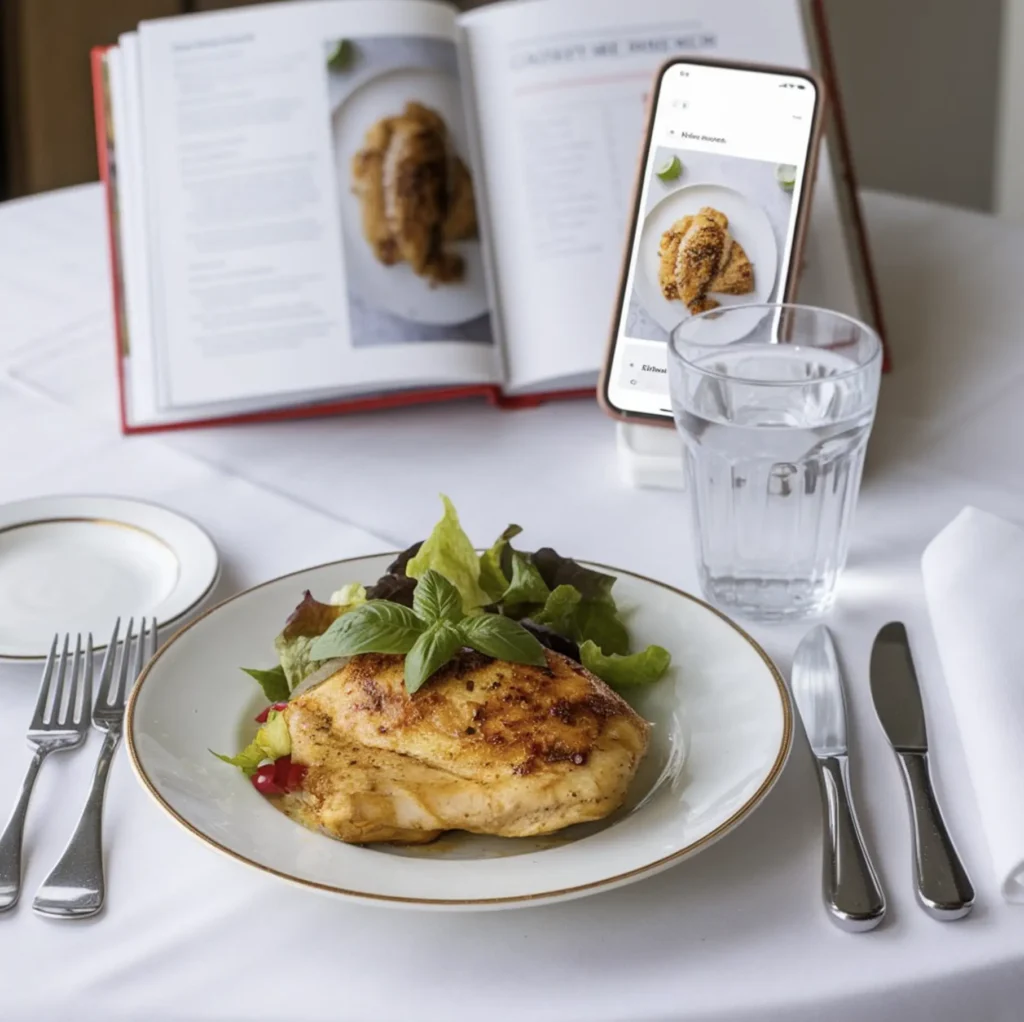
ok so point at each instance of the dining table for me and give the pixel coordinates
(736, 933)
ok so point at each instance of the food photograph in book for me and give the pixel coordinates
(406, 191)
(712, 233)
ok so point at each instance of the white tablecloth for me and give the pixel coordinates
(737, 934)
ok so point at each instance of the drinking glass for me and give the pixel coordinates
(775, 404)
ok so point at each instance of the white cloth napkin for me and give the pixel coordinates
(974, 585)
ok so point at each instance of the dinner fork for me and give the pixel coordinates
(75, 887)
(57, 724)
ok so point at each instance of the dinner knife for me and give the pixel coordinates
(850, 884)
(943, 887)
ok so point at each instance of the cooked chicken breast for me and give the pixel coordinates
(699, 253)
(368, 184)
(485, 746)
(415, 193)
(698, 256)
(735, 274)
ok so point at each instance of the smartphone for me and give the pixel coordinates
(718, 215)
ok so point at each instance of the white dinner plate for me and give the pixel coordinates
(722, 732)
(748, 224)
(396, 289)
(75, 564)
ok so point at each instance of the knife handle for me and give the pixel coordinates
(943, 887)
(852, 892)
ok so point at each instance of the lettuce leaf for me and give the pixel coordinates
(570, 615)
(274, 737)
(310, 618)
(558, 571)
(307, 622)
(295, 658)
(273, 682)
(449, 552)
(527, 586)
(495, 564)
(559, 611)
(349, 596)
(272, 741)
(247, 760)
(641, 668)
(599, 622)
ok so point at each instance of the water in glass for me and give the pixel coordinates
(775, 437)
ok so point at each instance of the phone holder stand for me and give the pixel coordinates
(650, 456)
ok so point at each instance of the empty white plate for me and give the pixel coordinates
(76, 564)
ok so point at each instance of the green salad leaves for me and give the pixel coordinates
(308, 621)
(272, 741)
(449, 552)
(430, 634)
(441, 596)
(626, 671)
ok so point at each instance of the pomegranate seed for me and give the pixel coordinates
(281, 768)
(296, 775)
(261, 717)
(264, 780)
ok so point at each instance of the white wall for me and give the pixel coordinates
(920, 83)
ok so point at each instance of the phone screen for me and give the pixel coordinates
(718, 212)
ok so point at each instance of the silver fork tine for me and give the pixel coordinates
(107, 671)
(44, 688)
(140, 660)
(54, 727)
(117, 696)
(65, 717)
(75, 887)
(83, 714)
(58, 696)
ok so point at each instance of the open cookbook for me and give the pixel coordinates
(331, 205)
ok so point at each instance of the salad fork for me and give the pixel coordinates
(57, 724)
(75, 887)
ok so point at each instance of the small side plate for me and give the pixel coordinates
(74, 564)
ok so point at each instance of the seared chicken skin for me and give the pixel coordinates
(416, 194)
(697, 256)
(485, 746)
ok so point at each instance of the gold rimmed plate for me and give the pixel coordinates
(722, 732)
(77, 563)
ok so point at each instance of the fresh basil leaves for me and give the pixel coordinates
(502, 638)
(430, 634)
(375, 627)
(434, 648)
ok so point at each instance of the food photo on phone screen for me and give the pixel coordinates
(718, 210)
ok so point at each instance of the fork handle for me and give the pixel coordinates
(10, 840)
(75, 889)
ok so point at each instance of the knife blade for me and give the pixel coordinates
(850, 884)
(944, 889)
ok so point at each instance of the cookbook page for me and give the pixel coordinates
(561, 88)
(310, 208)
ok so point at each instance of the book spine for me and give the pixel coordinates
(104, 129)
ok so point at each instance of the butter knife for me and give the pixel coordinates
(850, 884)
(943, 887)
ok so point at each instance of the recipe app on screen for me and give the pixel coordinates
(717, 212)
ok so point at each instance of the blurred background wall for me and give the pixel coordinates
(920, 81)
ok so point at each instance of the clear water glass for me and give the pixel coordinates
(775, 404)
